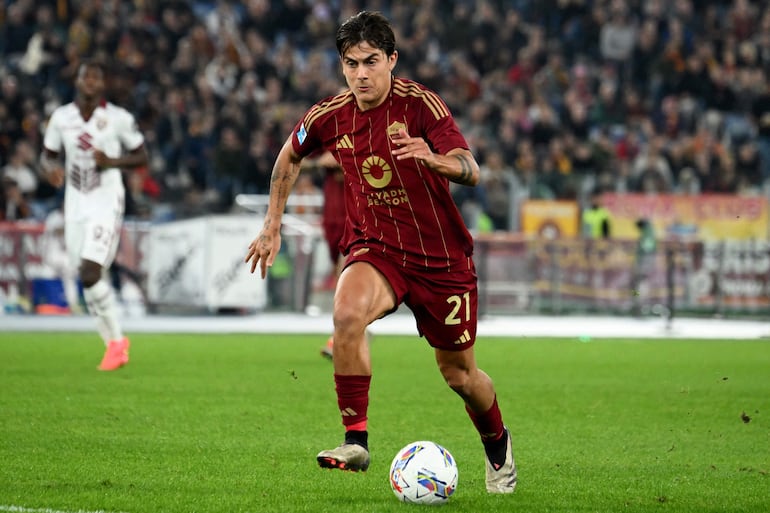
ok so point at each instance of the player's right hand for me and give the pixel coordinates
(55, 177)
(262, 251)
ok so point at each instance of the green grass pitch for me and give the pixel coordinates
(232, 423)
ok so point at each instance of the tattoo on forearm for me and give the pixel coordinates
(281, 183)
(466, 170)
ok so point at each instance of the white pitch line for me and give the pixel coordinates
(403, 324)
(22, 509)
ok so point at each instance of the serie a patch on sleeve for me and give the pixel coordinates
(301, 133)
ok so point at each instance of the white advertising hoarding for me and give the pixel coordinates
(199, 262)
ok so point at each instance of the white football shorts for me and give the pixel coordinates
(94, 239)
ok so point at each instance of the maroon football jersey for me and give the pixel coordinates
(401, 208)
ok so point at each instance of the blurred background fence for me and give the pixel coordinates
(658, 110)
(196, 265)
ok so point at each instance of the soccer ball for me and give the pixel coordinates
(424, 473)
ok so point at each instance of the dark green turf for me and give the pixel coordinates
(232, 423)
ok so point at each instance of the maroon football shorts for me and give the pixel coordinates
(444, 303)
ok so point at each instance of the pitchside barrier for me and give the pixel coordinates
(197, 264)
(186, 266)
(520, 274)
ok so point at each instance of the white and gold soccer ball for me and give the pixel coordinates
(423, 473)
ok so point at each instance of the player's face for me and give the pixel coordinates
(90, 82)
(368, 72)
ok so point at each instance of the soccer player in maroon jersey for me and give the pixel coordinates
(404, 240)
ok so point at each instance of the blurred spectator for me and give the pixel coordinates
(761, 113)
(617, 38)
(171, 130)
(651, 172)
(644, 263)
(668, 119)
(13, 205)
(545, 122)
(610, 176)
(20, 169)
(529, 171)
(607, 109)
(512, 34)
(644, 58)
(557, 166)
(694, 81)
(741, 19)
(710, 160)
(16, 33)
(553, 79)
(229, 166)
(688, 182)
(12, 112)
(602, 76)
(259, 165)
(747, 164)
(501, 184)
(142, 191)
(596, 218)
(197, 150)
(720, 95)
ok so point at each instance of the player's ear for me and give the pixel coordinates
(393, 59)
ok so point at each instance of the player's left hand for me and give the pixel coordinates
(101, 160)
(412, 147)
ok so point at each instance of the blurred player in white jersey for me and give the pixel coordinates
(98, 139)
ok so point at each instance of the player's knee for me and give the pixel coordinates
(458, 379)
(88, 279)
(348, 318)
(90, 274)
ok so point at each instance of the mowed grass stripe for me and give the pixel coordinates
(232, 423)
(22, 509)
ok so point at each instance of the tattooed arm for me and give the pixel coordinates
(457, 165)
(264, 248)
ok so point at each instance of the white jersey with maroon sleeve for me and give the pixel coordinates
(110, 129)
(94, 200)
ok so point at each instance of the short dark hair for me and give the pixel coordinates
(371, 27)
(91, 63)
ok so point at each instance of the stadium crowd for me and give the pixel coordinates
(558, 98)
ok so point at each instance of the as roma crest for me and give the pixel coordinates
(394, 128)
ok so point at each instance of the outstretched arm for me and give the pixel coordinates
(265, 246)
(457, 165)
